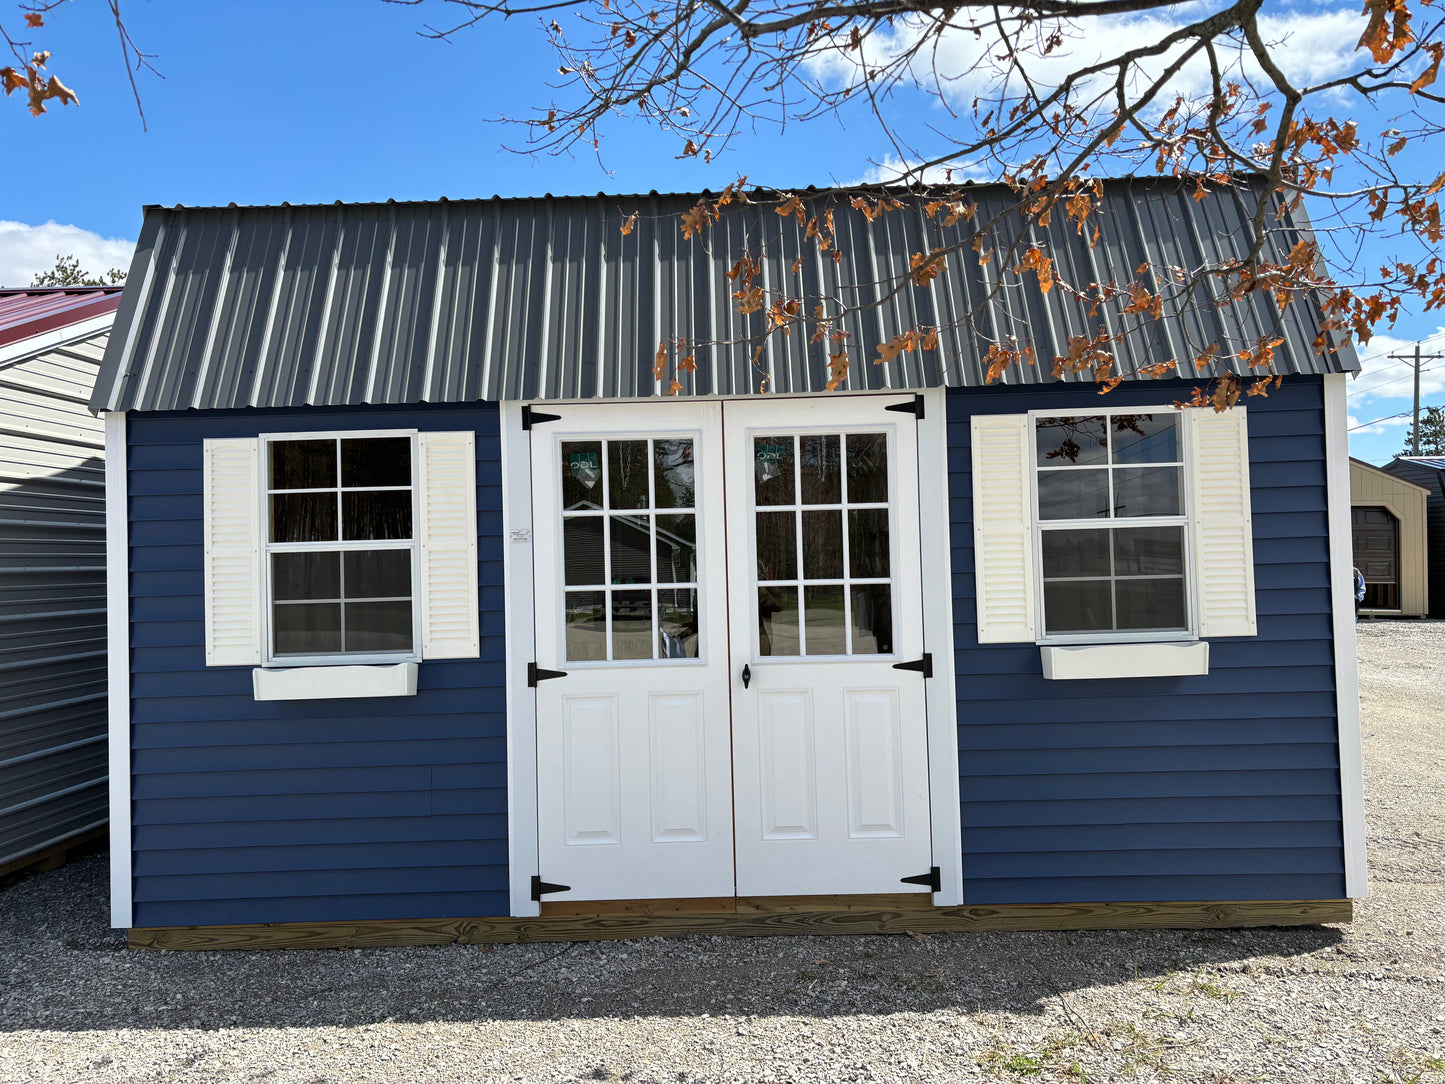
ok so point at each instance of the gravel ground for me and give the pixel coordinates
(1323, 1004)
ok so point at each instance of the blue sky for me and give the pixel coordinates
(266, 101)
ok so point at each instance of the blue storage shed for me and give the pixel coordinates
(445, 621)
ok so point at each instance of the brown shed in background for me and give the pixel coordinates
(1387, 517)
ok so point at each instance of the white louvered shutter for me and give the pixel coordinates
(1003, 531)
(1220, 513)
(232, 534)
(448, 537)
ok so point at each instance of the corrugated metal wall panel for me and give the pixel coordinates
(1217, 787)
(52, 602)
(547, 299)
(290, 811)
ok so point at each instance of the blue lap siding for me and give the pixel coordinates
(1208, 788)
(293, 811)
(1224, 787)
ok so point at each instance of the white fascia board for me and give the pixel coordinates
(117, 617)
(1085, 662)
(1342, 598)
(334, 682)
(517, 579)
(942, 704)
(46, 341)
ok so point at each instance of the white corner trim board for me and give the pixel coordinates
(1347, 676)
(117, 620)
(517, 577)
(935, 544)
(334, 682)
(1086, 661)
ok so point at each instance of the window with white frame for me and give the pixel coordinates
(1112, 520)
(341, 546)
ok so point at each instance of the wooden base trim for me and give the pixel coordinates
(616, 927)
(57, 854)
(729, 905)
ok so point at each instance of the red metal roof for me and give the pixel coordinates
(27, 313)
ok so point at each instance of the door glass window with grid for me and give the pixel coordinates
(824, 582)
(1112, 516)
(340, 546)
(629, 550)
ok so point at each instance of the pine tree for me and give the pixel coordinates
(1432, 433)
(68, 272)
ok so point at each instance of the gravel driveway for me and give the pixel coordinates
(1363, 1003)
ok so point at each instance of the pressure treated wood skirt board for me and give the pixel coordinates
(469, 931)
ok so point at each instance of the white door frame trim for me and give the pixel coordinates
(521, 645)
(117, 621)
(935, 553)
(517, 576)
(1347, 675)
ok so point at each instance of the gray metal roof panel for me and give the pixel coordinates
(1435, 462)
(456, 301)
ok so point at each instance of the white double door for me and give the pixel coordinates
(724, 591)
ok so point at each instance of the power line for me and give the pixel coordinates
(1357, 391)
(1377, 421)
(1368, 388)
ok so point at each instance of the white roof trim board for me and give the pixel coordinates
(527, 299)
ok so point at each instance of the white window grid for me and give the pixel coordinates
(797, 507)
(1107, 523)
(411, 545)
(607, 515)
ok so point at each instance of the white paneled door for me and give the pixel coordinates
(830, 750)
(723, 594)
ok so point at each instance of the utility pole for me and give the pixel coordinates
(1415, 428)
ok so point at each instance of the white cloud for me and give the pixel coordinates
(891, 168)
(27, 250)
(1313, 45)
(1386, 384)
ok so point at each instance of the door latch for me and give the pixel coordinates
(747, 675)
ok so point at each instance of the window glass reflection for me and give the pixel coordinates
(778, 621)
(673, 477)
(824, 621)
(773, 470)
(872, 619)
(820, 469)
(867, 468)
(1071, 441)
(677, 624)
(627, 474)
(581, 474)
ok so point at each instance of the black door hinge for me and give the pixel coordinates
(933, 879)
(532, 417)
(541, 888)
(536, 674)
(915, 408)
(924, 665)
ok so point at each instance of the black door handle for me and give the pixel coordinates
(747, 675)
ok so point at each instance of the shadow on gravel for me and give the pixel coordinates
(61, 968)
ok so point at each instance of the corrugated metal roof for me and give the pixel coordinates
(526, 299)
(27, 313)
(1435, 461)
